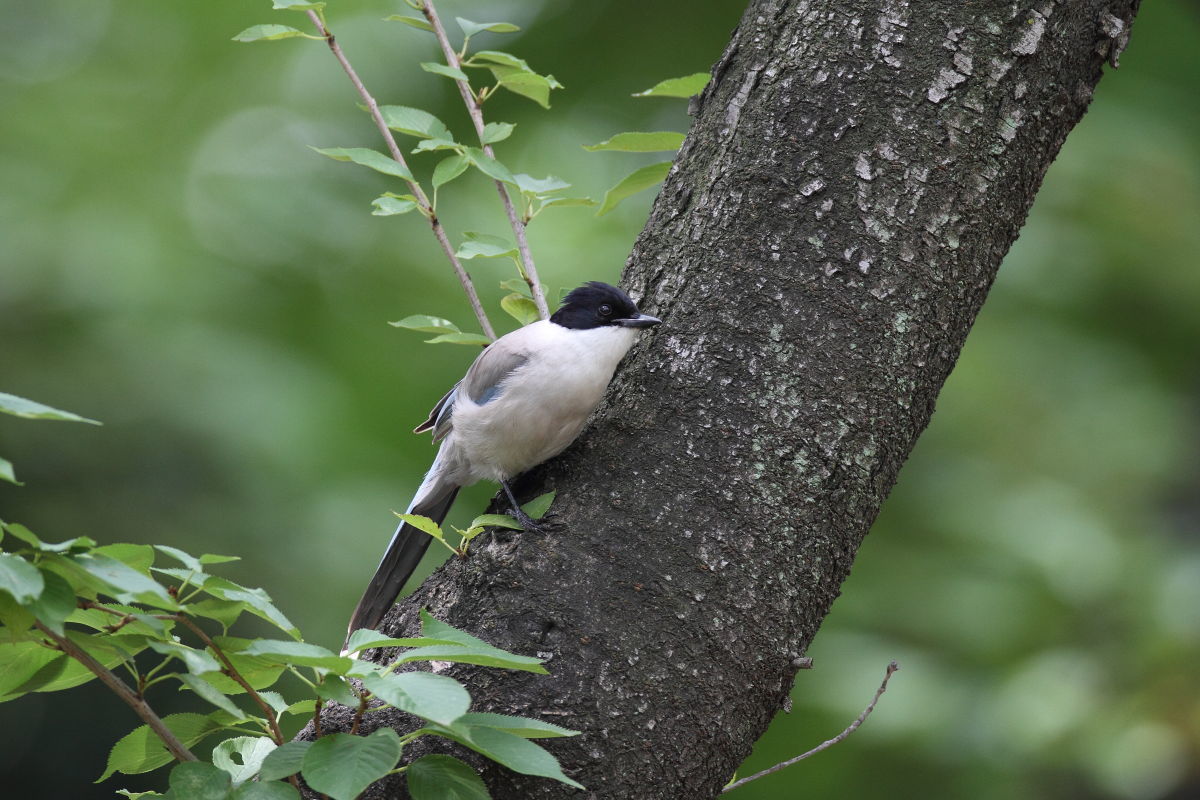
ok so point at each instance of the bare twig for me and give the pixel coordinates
(851, 728)
(474, 109)
(122, 690)
(418, 192)
(358, 713)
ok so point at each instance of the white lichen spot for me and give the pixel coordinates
(997, 69)
(812, 187)
(864, 266)
(900, 322)
(1020, 89)
(862, 167)
(962, 63)
(827, 206)
(946, 80)
(1034, 28)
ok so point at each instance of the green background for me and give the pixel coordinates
(175, 262)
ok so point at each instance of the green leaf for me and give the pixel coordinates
(284, 761)
(212, 558)
(389, 205)
(449, 168)
(335, 688)
(195, 780)
(138, 556)
(509, 750)
(297, 5)
(414, 121)
(250, 752)
(225, 612)
(299, 654)
(268, 33)
(56, 602)
(471, 28)
(538, 506)
(7, 473)
(342, 766)
(273, 790)
(499, 58)
(496, 521)
(210, 693)
(564, 202)
(640, 142)
(138, 795)
(474, 339)
(483, 245)
(122, 581)
(275, 701)
(524, 727)
(527, 84)
(367, 639)
(141, 750)
(436, 698)
(20, 407)
(636, 181)
(20, 662)
(198, 662)
(367, 158)
(423, 524)
(189, 561)
(18, 531)
(490, 166)
(255, 670)
(496, 132)
(429, 145)
(413, 22)
(677, 87)
(443, 69)
(520, 308)
(485, 656)
(426, 324)
(257, 601)
(20, 579)
(441, 777)
(540, 186)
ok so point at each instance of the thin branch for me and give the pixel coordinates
(422, 200)
(131, 698)
(358, 713)
(892, 667)
(232, 672)
(476, 112)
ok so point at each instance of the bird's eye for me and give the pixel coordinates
(606, 310)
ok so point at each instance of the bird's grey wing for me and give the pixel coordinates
(438, 420)
(483, 381)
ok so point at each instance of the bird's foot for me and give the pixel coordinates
(527, 522)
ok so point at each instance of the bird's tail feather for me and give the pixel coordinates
(408, 545)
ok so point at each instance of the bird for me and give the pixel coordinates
(525, 398)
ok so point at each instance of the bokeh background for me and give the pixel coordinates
(175, 262)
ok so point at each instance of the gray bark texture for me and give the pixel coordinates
(856, 172)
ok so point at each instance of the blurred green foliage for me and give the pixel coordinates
(175, 262)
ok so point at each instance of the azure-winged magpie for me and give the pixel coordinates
(526, 397)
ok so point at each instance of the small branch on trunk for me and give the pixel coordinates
(853, 726)
(528, 270)
(422, 199)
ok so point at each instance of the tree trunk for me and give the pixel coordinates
(855, 173)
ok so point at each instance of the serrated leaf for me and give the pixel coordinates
(448, 169)
(636, 181)
(138, 556)
(500, 58)
(518, 754)
(496, 132)
(490, 166)
(335, 688)
(685, 87)
(19, 531)
(419, 23)
(443, 69)
(482, 245)
(296, 5)
(268, 33)
(540, 186)
(20, 579)
(430, 145)
(188, 560)
(257, 602)
(342, 766)
(471, 28)
(257, 671)
(284, 760)
(141, 750)
(474, 339)
(7, 473)
(496, 521)
(442, 777)
(20, 662)
(566, 202)
(301, 654)
(122, 581)
(538, 506)
(271, 790)
(274, 700)
(426, 324)
(198, 662)
(250, 752)
(640, 142)
(436, 698)
(389, 205)
(367, 639)
(486, 656)
(367, 157)
(414, 121)
(422, 524)
(525, 727)
(138, 795)
(207, 691)
(30, 409)
(225, 612)
(520, 308)
(195, 780)
(55, 603)
(213, 558)
(527, 84)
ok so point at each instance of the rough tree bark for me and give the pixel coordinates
(855, 173)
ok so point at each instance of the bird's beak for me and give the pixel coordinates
(640, 321)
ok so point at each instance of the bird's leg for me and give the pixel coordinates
(527, 522)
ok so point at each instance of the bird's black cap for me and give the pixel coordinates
(596, 304)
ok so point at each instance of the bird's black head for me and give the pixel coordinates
(597, 304)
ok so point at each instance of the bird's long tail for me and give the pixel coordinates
(404, 552)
